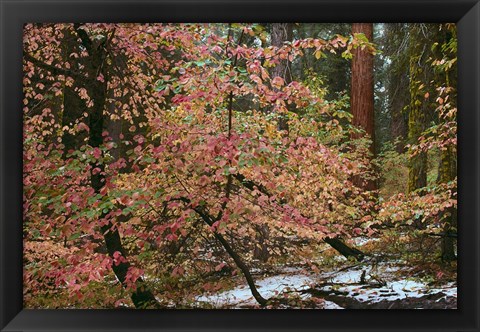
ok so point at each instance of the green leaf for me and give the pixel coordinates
(74, 236)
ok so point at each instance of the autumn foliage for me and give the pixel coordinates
(190, 152)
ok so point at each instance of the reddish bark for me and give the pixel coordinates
(361, 99)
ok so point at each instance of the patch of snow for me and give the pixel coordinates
(390, 269)
(346, 276)
(348, 282)
(268, 287)
(362, 240)
(339, 258)
(450, 290)
(331, 305)
(393, 290)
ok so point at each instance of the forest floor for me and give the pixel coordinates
(371, 284)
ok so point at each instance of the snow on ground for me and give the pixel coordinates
(346, 283)
(268, 287)
(362, 240)
(331, 305)
(344, 276)
(393, 289)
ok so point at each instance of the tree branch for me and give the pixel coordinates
(208, 219)
(335, 243)
(51, 68)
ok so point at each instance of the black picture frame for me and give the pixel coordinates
(466, 13)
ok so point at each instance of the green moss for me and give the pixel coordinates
(417, 164)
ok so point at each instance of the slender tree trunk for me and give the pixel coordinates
(397, 82)
(260, 251)
(420, 110)
(397, 108)
(282, 32)
(417, 164)
(246, 272)
(209, 220)
(113, 126)
(361, 99)
(447, 172)
(73, 105)
(141, 297)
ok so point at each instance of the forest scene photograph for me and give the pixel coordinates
(240, 166)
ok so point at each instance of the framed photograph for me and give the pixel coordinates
(166, 163)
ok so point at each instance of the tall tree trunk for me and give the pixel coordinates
(114, 124)
(73, 106)
(260, 251)
(397, 105)
(421, 110)
(447, 172)
(417, 164)
(395, 47)
(361, 99)
(282, 32)
(141, 297)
